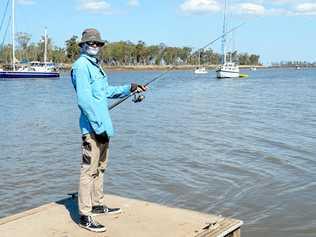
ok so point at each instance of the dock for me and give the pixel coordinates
(138, 219)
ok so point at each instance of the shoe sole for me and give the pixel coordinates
(107, 213)
(93, 230)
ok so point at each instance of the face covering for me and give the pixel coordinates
(91, 51)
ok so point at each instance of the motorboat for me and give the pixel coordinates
(200, 70)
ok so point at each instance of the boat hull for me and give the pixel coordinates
(227, 70)
(12, 74)
(200, 72)
(226, 74)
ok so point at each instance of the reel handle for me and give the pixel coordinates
(138, 98)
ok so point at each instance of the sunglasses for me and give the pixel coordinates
(91, 43)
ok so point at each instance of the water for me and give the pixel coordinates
(239, 148)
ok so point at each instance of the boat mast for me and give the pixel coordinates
(224, 35)
(45, 46)
(13, 37)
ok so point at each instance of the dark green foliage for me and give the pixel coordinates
(72, 49)
(122, 53)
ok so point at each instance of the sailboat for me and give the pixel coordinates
(199, 69)
(35, 69)
(228, 68)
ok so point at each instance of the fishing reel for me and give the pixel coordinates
(138, 98)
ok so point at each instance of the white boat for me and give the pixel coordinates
(35, 69)
(36, 66)
(227, 69)
(253, 69)
(200, 70)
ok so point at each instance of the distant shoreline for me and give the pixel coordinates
(67, 66)
(161, 68)
(181, 67)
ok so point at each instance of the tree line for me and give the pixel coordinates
(122, 53)
(293, 64)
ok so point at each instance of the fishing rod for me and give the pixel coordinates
(140, 98)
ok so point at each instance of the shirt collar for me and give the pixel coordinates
(95, 61)
(90, 58)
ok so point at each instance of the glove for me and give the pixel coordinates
(138, 88)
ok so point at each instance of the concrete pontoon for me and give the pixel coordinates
(138, 219)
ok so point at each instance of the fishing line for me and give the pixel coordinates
(227, 32)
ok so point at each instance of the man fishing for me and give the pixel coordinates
(92, 89)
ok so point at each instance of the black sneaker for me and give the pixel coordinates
(105, 210)
(89, 223)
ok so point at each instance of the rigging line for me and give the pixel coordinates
(4, 14)
(5, 33)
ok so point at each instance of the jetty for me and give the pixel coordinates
(138, 219)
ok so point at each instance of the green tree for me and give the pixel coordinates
(72, 49)
(184, 53)
(254, 59)
(122, 53)
(22, 40)
(153, 54)
(141, 52)
(6, 54)
(58, 55)
(244, 59)
(33, 52)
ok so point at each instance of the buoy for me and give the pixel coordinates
(243, 75)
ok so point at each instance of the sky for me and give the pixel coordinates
(275, 29)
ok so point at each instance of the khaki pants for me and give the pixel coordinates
(95, 151)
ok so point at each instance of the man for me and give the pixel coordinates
(93, 90)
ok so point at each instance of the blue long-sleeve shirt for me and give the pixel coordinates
(93, 90)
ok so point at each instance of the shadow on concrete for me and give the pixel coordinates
(71, 205)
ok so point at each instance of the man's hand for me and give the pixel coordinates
(138, 88)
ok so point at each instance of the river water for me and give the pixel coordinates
(238, 148)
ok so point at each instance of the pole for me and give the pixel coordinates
(224, 35)
(13, 36)
(45, 46)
